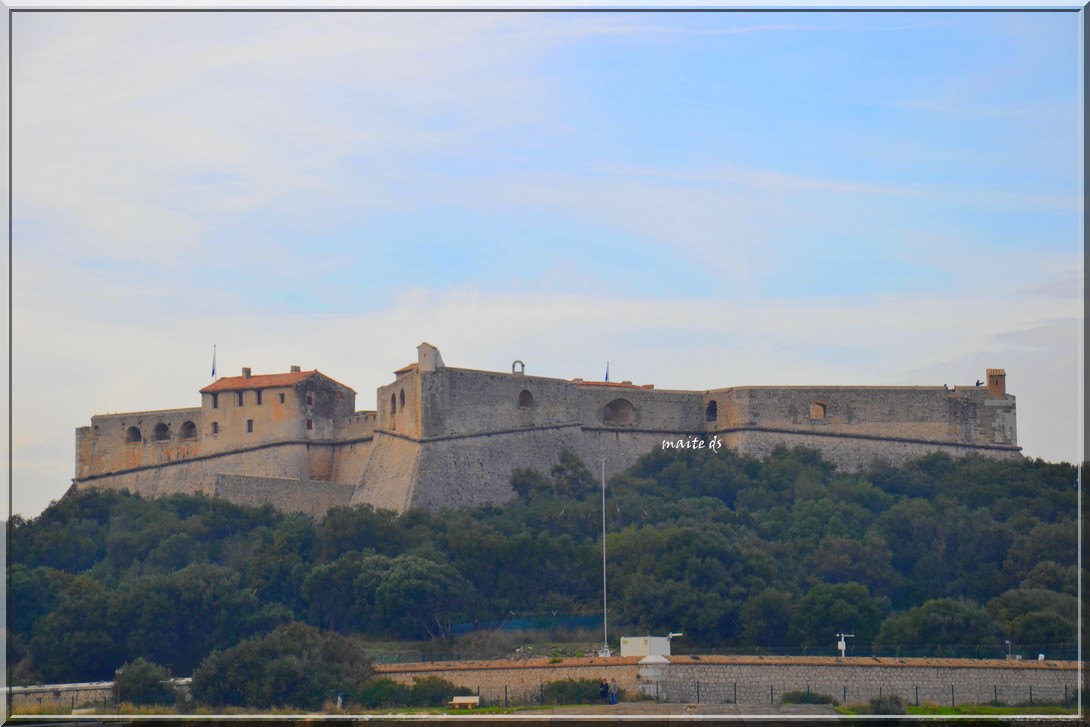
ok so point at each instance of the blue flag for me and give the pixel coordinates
(607, 370)
(213, 360)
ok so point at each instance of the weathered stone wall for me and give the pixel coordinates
(858, 679)
(388, 480)
(309, 496)
(756, 680)
(287, 460)
(926, 413)
(103, 446)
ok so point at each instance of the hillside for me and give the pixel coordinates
(939, 557)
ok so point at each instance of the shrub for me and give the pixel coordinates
(434, 692)
(571, 691)
(383, 692)
(144, 682)
(807, 697)
(887, 704)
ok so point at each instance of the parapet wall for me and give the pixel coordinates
(310, 496)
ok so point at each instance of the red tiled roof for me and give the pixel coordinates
(263, 381)
(615, 383)
(406, 369)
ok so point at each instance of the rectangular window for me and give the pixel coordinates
(215, 401)
(249, 425)
(258, 392)
(310, 399)
(281, 398)
(215, 427)
(240, 398)
(310, 424)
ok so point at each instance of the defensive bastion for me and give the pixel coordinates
(447, 437)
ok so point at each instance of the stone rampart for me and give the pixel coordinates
(313, 497)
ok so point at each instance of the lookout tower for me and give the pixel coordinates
(997, 383)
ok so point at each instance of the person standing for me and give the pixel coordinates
(603, 691)
(613, 690)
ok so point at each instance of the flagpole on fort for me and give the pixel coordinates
(605, 616)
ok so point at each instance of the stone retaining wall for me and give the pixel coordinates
(763, 680)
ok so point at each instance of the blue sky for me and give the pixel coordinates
(703, 199)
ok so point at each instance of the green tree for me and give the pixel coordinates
(829, 609)
(144, 682)
(293, 666)
(940, 627)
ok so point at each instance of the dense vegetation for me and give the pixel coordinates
(940, 557)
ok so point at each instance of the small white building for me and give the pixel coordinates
(645, 646)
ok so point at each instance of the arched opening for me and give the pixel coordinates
(189, 430)
(393, 403)
(401, 399)
(526, 399)
(132, 434)
(161, 432)
(712, 412)
(619, 412)
(817, 410)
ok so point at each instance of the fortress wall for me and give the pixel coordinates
(104, 448)
(457, 402)
(850, 454)
(350, 461)
(657, 410)
(395, 416)
(477, 471)
(966, 415)
(621, 448)
(199, 475)
(389, 477)
(286, 495)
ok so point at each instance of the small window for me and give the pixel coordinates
(281, 398)
(215, 401)
(189, 430)
(712, 412)
(161, 432)
(310, 424)
(526, 399)
(132, 434)
(393, 404)
(250, 425)
(258, 393)
(817, 410)
(215, 427)
(401, 399)
(240, 398)
(310, 399)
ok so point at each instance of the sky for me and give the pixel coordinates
(700, 199)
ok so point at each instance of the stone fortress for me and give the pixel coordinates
(448, 437)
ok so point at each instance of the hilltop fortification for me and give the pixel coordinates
(447, 437)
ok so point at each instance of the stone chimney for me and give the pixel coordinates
(296, 370)
(997, 382)
(245, 372)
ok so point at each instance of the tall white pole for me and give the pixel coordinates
(605, 616)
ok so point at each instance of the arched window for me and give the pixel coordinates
(712, 412)
(161, 432)
(401, 399)
(619, 412)
(189, 430)
(393, 403)
(526, 399)
(132, 434)
(817, 410)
